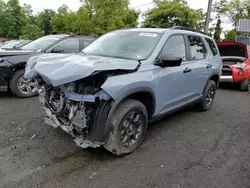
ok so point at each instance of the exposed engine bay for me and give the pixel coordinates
(74, 106)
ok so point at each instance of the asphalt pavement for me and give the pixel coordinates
(189, 149)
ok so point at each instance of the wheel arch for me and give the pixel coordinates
(131, 94)
(143, 94)
(215, 78)
(15, 68)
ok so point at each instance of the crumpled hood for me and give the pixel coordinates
(59, 69)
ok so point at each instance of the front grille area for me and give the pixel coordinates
(226, 71)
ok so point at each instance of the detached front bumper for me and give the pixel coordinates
(226, 79)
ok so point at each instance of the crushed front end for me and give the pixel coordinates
(73, 93)
(74, 107)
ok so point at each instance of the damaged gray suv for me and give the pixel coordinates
(107, 94)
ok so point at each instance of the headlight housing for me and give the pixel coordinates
(240, 73)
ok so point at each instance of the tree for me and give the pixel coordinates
(172, 13)
(3, 19)
(217, 31)
(44, 21)
(233, 10)
(95, 17)
(220, 7)
(30, 29)
(231, 35)
(64, 20)
(14, 20)
(131, 18)
(109, 15)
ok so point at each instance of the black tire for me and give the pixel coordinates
(210, 90)
(13, 84)
(244, 85)
(115, 143)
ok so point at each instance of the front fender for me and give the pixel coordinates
(125, 85)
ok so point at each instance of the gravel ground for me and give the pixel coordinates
(188, 149)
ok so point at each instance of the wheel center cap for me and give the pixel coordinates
(131, 127)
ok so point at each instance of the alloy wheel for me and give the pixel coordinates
(210, 96)
(27, 86)
(131, 129)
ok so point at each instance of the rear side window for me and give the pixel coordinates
(197, 48)
(212, 46)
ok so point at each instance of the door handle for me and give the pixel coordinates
(209, 66)
(186, 70)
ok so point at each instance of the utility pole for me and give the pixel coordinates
(208, 15)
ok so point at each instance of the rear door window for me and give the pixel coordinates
(197, 48)
(212, 46)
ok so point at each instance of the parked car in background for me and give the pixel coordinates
(125, 79)
(10, 44)
(236, 64)
(1, 44)
(3, 40)
(15, 44)
(19, 46)
(12, 62)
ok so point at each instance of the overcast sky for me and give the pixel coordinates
(143, 5)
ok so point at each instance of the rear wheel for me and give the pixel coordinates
(23, 87)
(208, 96)
(130, 122)
(244, 86)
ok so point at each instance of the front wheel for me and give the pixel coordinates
(208, 96)
(130, 122)
(23, 87)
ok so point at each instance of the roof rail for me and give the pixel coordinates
(188, 29)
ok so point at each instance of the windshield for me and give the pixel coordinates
(21, 44)
(41, 43)
(124, 44)
(11, 44)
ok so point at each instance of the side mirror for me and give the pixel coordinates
(170, 61)
(57, 51)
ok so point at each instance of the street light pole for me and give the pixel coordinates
(208, 15)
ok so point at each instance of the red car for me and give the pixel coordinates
(236, 64)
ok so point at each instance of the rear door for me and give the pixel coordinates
(200, 67)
